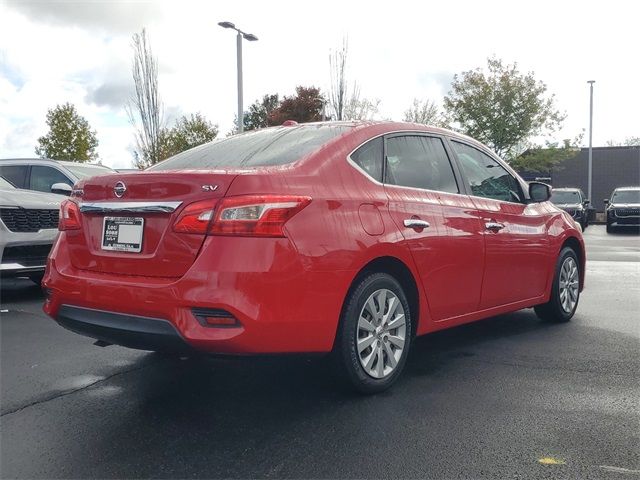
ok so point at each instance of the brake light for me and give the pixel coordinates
(69, 216)
(195, 218)
(256, 215)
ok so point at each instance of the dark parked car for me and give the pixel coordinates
(49, 176)
(574, 202)
(623, 209)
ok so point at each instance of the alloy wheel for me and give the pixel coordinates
(381, 333)
(569, 284)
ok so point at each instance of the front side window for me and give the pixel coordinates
(486, 177)
(419, 162)
(369, 158)
(42, 178)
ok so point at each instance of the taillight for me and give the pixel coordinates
(69, 216)
(195, 218)
(256, 215)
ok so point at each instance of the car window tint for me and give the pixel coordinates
(42, 178)
(270, 146)
(369, 158)
(420, 162)
(16, 174)
(486, 177)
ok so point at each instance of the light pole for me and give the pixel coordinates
(239, 37)
(590, 168)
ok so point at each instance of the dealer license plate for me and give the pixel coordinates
(123, 234)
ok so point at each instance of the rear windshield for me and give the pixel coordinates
(626, 196)
(84, 171)
(565, 196)
(271, 146)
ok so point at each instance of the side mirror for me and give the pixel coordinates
(539, 192)
(61, 189)
(586, 201)
(606, 201)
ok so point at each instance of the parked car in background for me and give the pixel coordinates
(28, 226)
(341, 237)
(574, 202)
(623, 208)
(50, 176)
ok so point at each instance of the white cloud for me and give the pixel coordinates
(53, 52)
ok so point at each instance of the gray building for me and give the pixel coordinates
(612, 167)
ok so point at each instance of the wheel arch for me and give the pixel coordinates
(578, 247)
(402, 273)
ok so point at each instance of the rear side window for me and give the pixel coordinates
(486, 177)
(16, 174)
(419, 162)
(42, 178)
(369, 158)
(271, 146)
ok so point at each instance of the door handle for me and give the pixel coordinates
(494, 226)
(415, 223)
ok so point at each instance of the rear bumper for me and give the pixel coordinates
(281, 307)
(131, 331)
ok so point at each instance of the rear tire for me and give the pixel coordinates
(374, 336)
(565, 291)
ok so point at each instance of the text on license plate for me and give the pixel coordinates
(123, 234)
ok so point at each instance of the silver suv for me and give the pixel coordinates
(49, 176)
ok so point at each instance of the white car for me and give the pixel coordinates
(28, 227)
(50, 176)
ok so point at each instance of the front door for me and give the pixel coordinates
(516, 246)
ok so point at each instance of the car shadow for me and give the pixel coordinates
(19, 289)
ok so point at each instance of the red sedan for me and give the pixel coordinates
(350, 238)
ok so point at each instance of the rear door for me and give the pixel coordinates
(516, 244)
(421, 185)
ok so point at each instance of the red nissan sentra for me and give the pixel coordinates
(349, 238)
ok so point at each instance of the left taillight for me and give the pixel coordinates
(69, 216)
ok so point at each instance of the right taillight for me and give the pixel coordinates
(69, 216)
(256, 215)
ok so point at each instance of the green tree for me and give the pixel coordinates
(306, 106)
(502, 108)
(544, 159)
(258, 114)
(188, 132)
(70, 137)
(425, 112)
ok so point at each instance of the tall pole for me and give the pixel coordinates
(590, 185)
(240, 109)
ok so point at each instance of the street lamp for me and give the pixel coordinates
(590, 168)
(239, 37)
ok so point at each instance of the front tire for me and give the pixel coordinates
(373, 340)
(565, 291)
(609, 228)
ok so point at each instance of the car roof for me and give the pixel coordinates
(567, 189)
(42, 161)
(622, 189)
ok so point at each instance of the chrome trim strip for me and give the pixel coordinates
(18, 266)
(131, 207)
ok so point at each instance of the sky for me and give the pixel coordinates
(52, 52)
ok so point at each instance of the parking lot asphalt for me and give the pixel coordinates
(509, 397)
